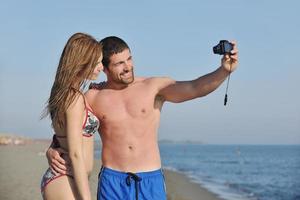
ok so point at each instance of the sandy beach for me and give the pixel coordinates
(23, 165)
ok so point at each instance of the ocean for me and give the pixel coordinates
(238, 172)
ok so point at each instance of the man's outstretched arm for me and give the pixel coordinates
(179, 91)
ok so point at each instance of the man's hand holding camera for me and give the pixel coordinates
(230, 60)
(230, 54)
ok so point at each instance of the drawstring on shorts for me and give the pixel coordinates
(136, 179)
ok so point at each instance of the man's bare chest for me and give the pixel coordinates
(119, 107)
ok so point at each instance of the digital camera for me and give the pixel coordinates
(223, 47)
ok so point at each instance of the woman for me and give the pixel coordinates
(72, 118)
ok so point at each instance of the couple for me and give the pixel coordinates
(126, 111)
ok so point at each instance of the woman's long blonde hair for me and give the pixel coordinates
(77, 63)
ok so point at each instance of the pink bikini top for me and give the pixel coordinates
(90, 125)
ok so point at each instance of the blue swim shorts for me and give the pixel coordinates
(116, 185)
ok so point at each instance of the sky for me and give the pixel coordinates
(167, 38)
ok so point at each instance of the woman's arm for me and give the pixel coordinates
(74, 120)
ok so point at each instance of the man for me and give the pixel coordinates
(129, 108)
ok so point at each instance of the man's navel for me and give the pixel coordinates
(130, 147)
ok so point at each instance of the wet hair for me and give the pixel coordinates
(111, 45)
(77, 63)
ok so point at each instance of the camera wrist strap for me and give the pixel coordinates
(228, 79)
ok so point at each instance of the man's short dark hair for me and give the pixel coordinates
(111, 45)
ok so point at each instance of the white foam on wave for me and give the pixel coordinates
(171, 168)
(217, 187)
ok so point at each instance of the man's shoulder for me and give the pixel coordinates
(94, 88)
(157, 83)
(153, 79)
(157, 80)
